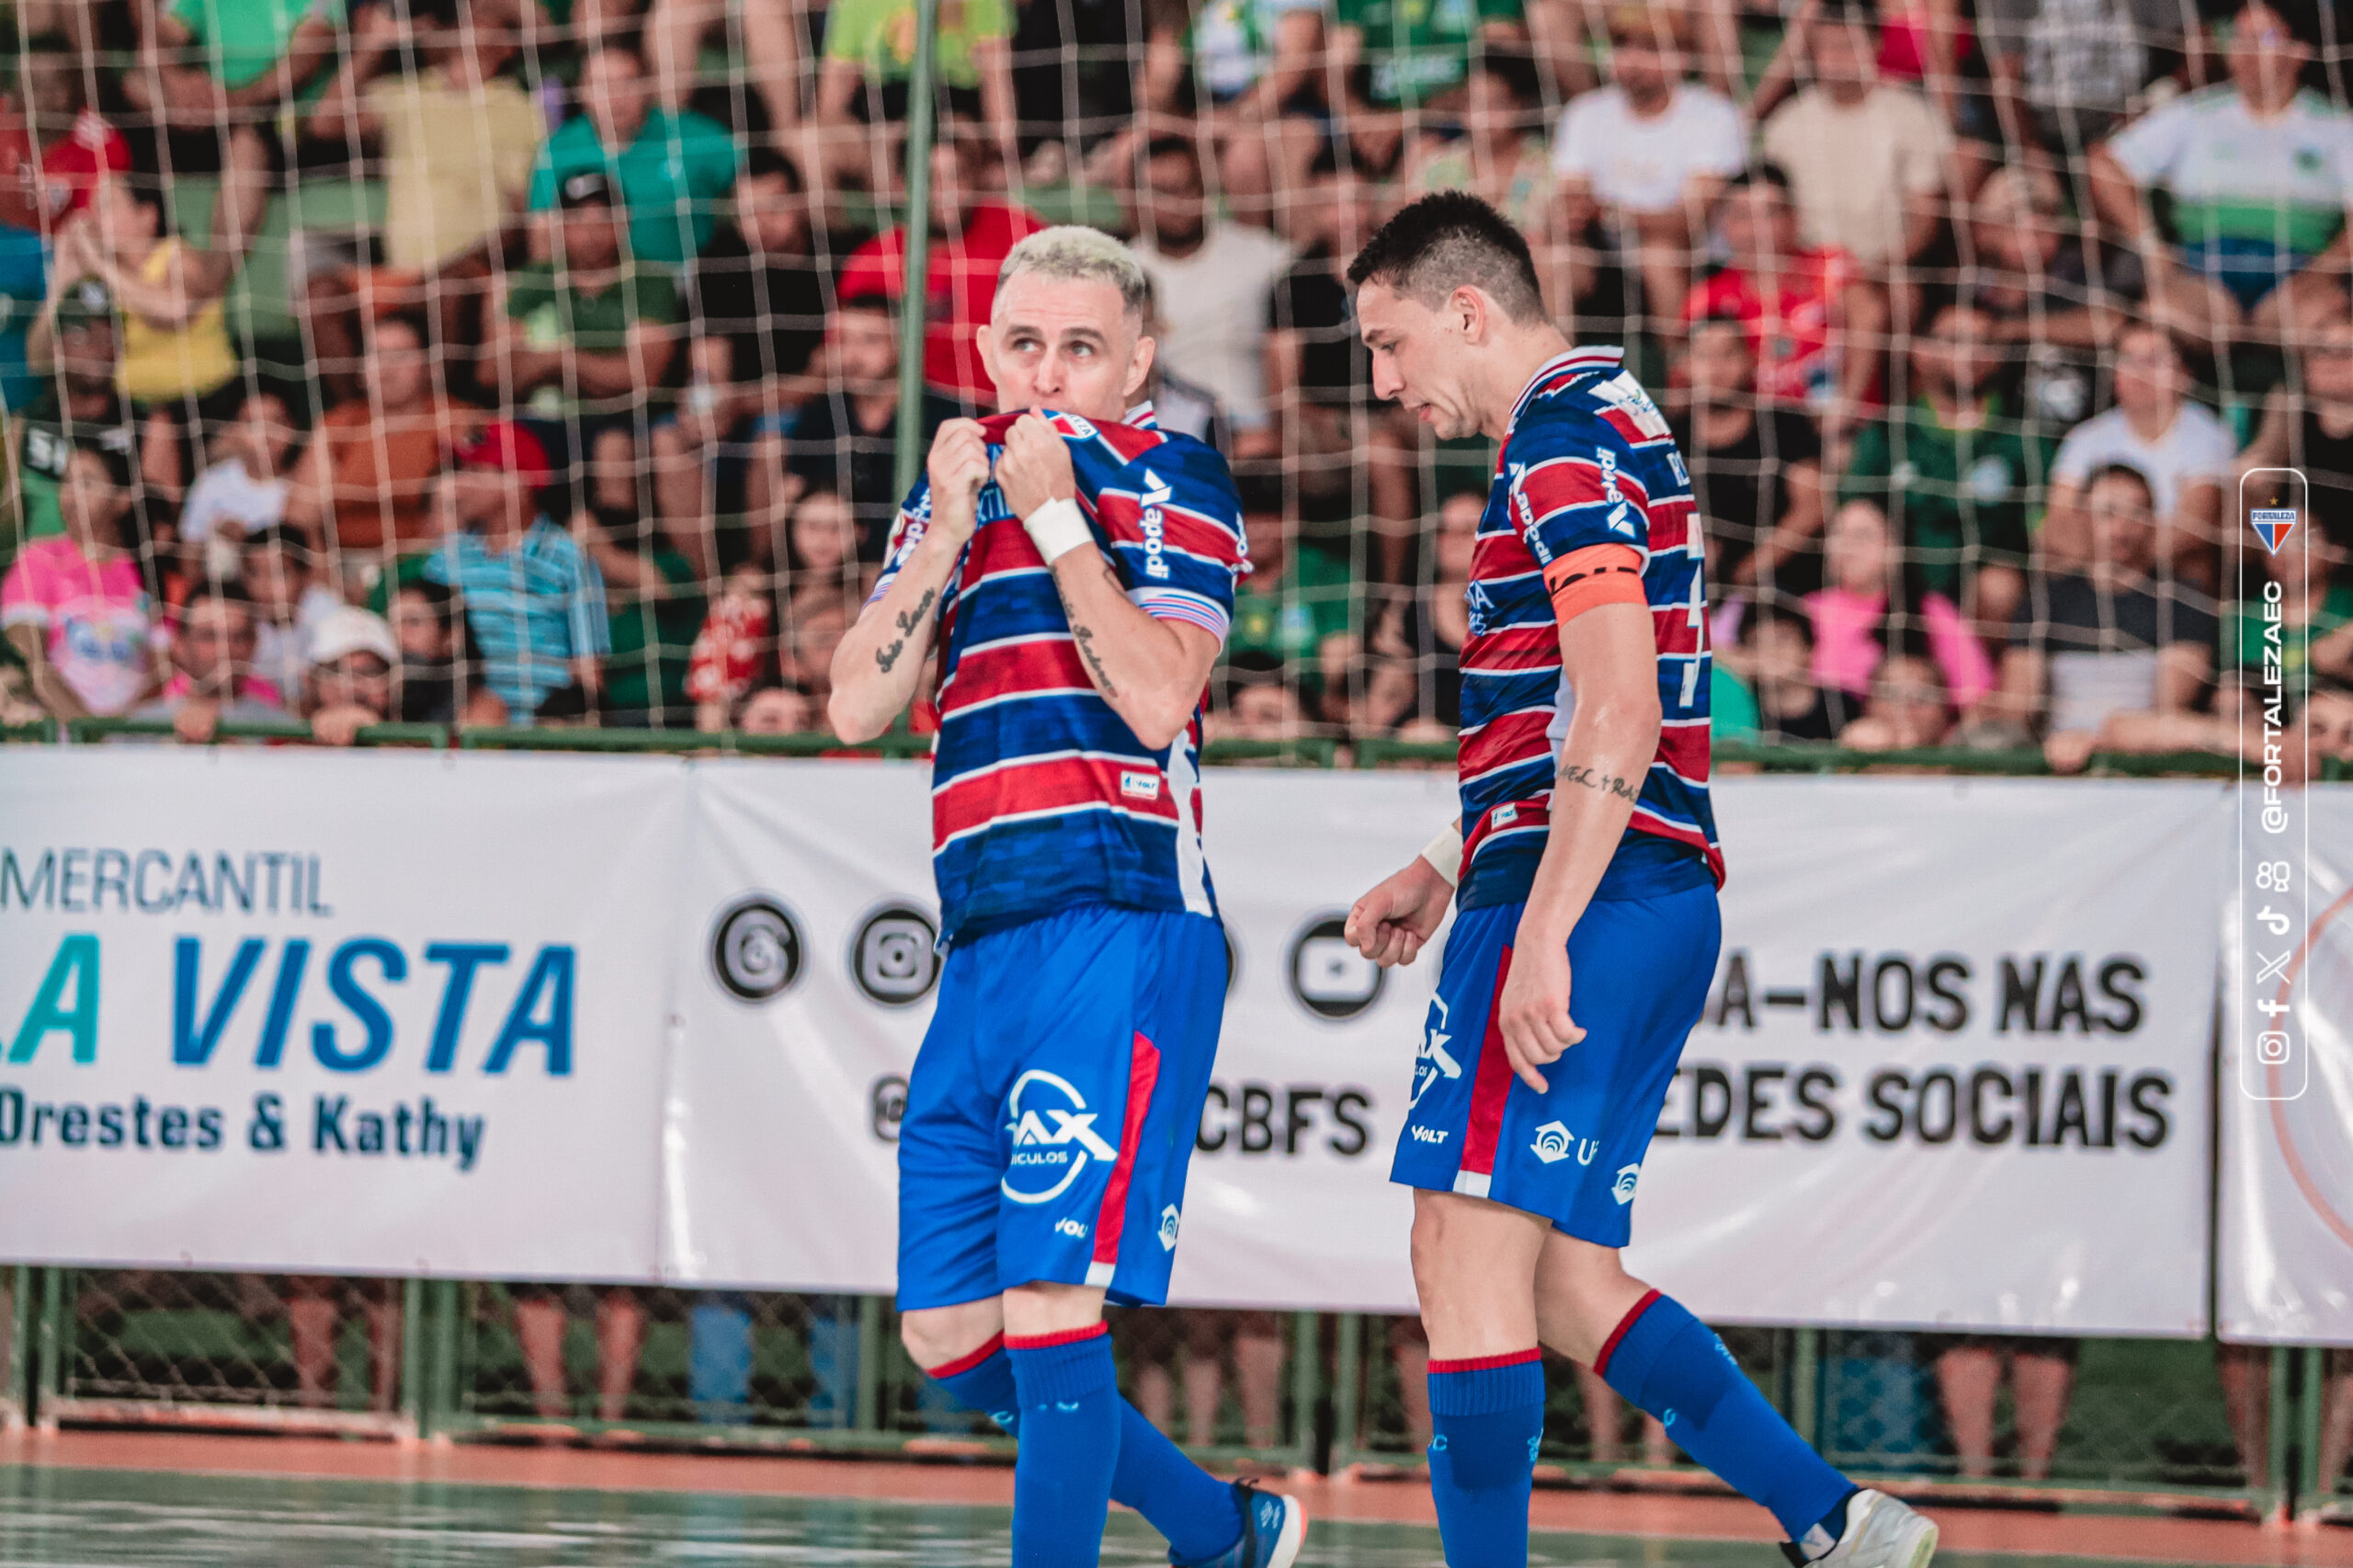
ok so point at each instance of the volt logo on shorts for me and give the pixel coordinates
(1067, 1226)
(1433, 1062)
(1053, 1138)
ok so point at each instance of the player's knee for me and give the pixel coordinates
(933, 1338)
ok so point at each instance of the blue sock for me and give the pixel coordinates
(1489, 1415)
(1070, 1445)
(1670, 1364)
(1193, 1508)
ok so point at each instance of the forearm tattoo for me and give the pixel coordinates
(908, 620)
(1084, 637)
(1624, 789)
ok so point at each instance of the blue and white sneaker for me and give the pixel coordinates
(1877, 1533)
(1273, 1529)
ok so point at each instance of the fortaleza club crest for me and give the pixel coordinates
(2273, 525)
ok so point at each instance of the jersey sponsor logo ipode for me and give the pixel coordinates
(1587, 460)
(1042, 796)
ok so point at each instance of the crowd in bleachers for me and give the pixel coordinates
(527, 362)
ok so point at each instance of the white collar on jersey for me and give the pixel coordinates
(1140, 416)
(1575, 359)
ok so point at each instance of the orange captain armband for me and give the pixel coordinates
(1598, 574)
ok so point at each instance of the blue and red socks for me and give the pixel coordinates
(1665, 1362)
(1193, 1508)
(1069, 1402)
(1488, 1413)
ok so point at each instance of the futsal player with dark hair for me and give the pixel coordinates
(1586, 847)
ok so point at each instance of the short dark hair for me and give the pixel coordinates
(1175, 147)
(439, 597)
(284, 538)
(764, 160)
(227, 591)
(1759, 174)
(1863, 13)
(2130, 473)
(1447, 240)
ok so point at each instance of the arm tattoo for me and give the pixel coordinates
(1624, 789)
(908, 619)
(1084, 637)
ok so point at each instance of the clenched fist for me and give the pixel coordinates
(958, 468)
(1034, 467)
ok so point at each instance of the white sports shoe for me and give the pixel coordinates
(1881, 1533)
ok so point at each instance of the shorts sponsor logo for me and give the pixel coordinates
(756, 949)
(1329, 977)
(1433, 1062)
(1623, 1189)
(886, 1106)
(1429, 1134)
(1169, 1219)
(1069, 1227)
(1552, 1140)
(1138, 785)
(1053, 1138)
(895, 958)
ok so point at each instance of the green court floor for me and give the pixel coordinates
(98, 1518)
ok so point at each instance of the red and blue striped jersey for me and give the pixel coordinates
(1043, 798)
(1587, 460)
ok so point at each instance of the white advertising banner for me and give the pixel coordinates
(1952, 1071)
(2286, 1268)
(384, 1012)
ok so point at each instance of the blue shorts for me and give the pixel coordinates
(1639, 972)
(1055, 1104)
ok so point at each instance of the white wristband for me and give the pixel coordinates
(1057, 528)
(1445, 854)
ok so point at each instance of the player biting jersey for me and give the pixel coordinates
(1074, 568)
(1586, 847)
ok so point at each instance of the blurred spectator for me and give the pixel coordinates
(205, 65)
(81, 411)
(1755, 469)
(1908, 708)
(2042, 1373)
(1866, 160)
(780, 711)
(2113, 658)
(970, 236)
(458, 138)
(1417, 640)
(653, 609)
(1953, 474)
(1816, 323)
(1319, 377)
(587, 339)
(534, 601)
(1260, 706)
(767, 38)
(1297, 600)
(243, 489)
(442, 664)
(1214, 282)
(1497, 152)
(48, 171)
(816, 630)
(212, 657)
(289, 603)
(175, 348)
(2056, 296)
(756, 286)
(2313, 431)
(669, 169)
(315, 1307)
(1395, 56)
(1872, 605)
(732, 651)
(1251, 72)
(1647, 156)
(843, 439)
(2185, 452)
(2258, 177)
(2065, 71)
(362, 486)
(871, 50)
(1777, 662)
(540, 1316)
(1256, 1341)
(75, 604)
(354, 677)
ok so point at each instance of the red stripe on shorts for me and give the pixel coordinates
(1490, 1087)
(1143, 1072)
